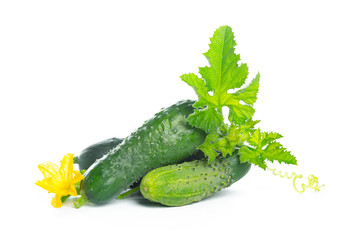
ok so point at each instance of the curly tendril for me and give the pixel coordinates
(313, 181)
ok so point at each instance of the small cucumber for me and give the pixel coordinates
(88, 156)
(163, 140)
(181, 184)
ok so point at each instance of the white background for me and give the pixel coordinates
(76, 72)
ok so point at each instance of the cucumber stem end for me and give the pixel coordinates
(123, 195)
(81, 201)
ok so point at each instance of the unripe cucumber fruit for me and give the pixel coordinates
(181, 184)
(163, 140)
(95, 151)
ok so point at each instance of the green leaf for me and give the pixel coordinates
(208, 119)
(249, 94)
(223, 74)
(248, 154)
(268, 137)
(264, 147)
(275, 151)
(198, 85)
(255, 139)
(208, 147)
(238, 114)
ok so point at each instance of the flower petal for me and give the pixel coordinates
(48, 169)
(66, 168)
(77, 177)
(47, 184)
(56, 201)
(72, 191)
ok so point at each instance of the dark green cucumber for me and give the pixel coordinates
(163, 140)
(181, 184)
(88, 156)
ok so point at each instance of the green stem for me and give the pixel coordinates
(81, 201)
(123, 195)
(63, 198)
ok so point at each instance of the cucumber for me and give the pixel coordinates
(181, 184)
(163, 140)
(88, 156)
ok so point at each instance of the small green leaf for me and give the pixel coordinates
(276, 152)
(255, 139)
(226, 140)
(251, 155)
(264, 147)
(208, 146)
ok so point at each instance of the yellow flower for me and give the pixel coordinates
(59, 180)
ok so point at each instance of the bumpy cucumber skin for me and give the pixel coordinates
(163, 140)
(95, 151)
(197, 155)
(181, 184)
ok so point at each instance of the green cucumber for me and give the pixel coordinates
(181, 184)
(163, 140)
(95, 151)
